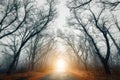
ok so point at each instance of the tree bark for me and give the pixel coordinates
(106, 67)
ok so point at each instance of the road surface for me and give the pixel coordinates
(58, 76)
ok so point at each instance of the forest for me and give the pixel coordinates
(85, 47)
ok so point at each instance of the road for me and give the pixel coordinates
(58, 76)
(49, 75)
(52, 75)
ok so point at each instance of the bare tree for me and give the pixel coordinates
(13, 15)
(112, 4)
(9, 49)
(36, 22)
(85, 17)
(34, 42)
(45, 52)
(77, 47)
(70, 40)
(39, 47)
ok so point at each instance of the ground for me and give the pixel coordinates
(51, 75)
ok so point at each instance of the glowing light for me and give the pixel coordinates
(60, 65)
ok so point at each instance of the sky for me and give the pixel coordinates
(62, 13)
(60, 21)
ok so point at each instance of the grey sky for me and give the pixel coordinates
(60, 21)
(62, 10)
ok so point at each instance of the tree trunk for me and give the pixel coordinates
(14, 62)
(106, 67)
(13, 65)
